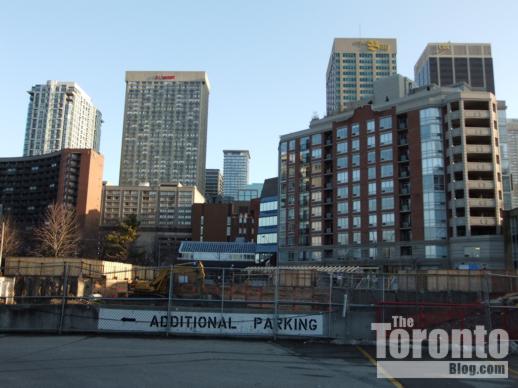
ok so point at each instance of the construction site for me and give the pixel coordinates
(331, 302)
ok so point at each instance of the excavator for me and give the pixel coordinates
(188, 281)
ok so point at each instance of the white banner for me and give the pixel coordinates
(210, 322)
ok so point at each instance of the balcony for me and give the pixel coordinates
(478, 149)
(457, 185)
(482, 202)
(328, 186)
(480, 166)
(480, 184)
(405, 208)
(457, 221)
(474, 131)
(483, 221)
(402, 141)
(476, 114)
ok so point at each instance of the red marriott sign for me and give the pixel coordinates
(165, 77)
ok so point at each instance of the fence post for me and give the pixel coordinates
(276, 303)
(64, 298)
(222, 289)
(330, 304)
(169, 299)
(488, 303)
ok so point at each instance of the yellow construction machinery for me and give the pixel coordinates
(188, 280)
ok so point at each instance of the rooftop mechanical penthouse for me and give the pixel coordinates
(409, 178)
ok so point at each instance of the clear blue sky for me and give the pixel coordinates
(266, 61)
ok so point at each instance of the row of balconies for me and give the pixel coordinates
(473, 202)
(471, 166)
(472, 185)
(470, 114)
(470, 149)
(472, 131)
(474, 221)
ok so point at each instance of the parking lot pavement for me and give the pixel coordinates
(94, 361)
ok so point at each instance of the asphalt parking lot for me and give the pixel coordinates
(96, 361)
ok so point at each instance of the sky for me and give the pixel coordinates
(266, 60)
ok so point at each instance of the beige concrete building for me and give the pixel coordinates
(353, 66)
(165, 128)
(163, 211)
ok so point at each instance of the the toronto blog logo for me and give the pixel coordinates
(404, 351)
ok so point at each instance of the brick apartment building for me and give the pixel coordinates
(408, 178)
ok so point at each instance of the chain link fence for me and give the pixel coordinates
(189, 299)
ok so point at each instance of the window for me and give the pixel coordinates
(387, 170)
(342, 177)
(373, 219)
(371, 141)
(341, 133)
(316, 139)
(316, 168)
(387, 203)
(356, 206)
(357, 222)
(316, 153)
(386, 154)
(355, 145)
(356, 159)
(389, 235)
(356, 175)
(316, 240)
(355, 129)
(386, 122)
(357, 238)
(387, 186)
(342, 238)
(356, 190)
(372, 172)
(373, 253)
(316, 211)
(341, 147)
(316, 196)
(387, 218)
(316, 182)
(386, 138)
(341, 162)
(373, 236)
(342, 207)
(342, 223)
(342, 192)
(435, 251)
(371, 126)
(373, 205)
(371, 157)
(268, 221)
(372, 188)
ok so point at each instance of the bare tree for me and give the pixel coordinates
(11, 241)
(58, 236)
